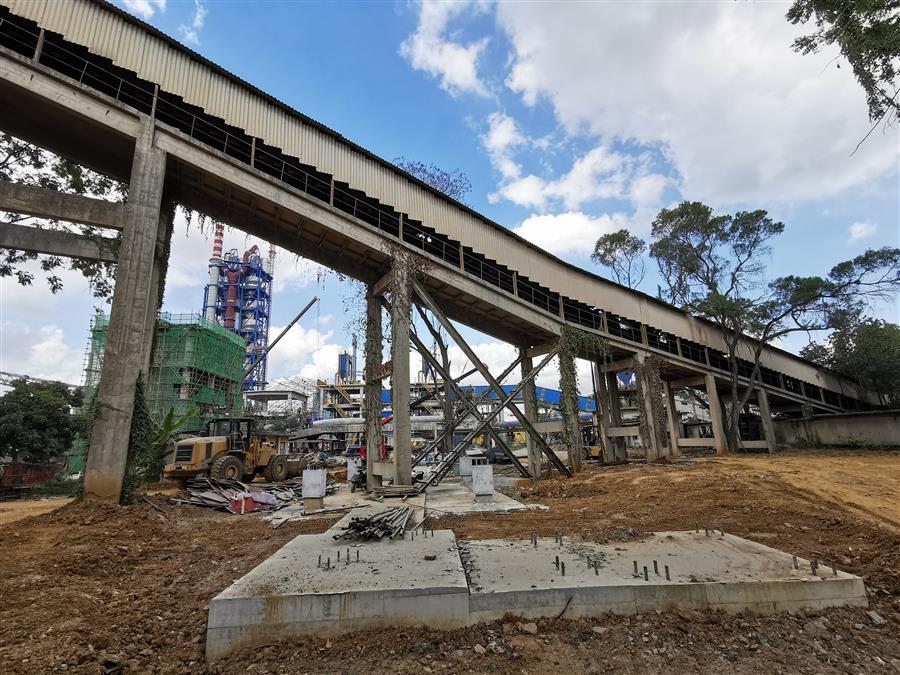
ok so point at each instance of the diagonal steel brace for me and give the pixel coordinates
(432, 306)
(456, 390)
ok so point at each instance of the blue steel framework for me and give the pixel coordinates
(243, 303)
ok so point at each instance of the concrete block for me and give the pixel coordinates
(483, 480)
(465, 465)
(352, 469)
(314, 481)
(313, 504)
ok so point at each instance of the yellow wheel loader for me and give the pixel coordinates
(230, 449)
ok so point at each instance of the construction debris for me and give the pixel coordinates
(390, 523)
(395, 491)
(241, 498)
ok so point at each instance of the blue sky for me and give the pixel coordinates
(569, 119)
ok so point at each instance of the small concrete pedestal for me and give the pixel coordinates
(314, 481)
(465, 465)
(483, 482)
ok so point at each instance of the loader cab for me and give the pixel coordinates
(237, 430)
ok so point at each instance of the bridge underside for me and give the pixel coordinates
(97, 131)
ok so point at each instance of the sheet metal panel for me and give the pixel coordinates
(130, 46)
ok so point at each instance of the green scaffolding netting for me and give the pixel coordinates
(194, 363)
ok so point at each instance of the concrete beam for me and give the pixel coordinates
(618, 366)
(716, 416)
(372, 403)
(765, 415)
(40, 202)
(383, 284)
(529, 404)
(400, 320)
(540, 350)
(54, 242)
(127, 337)
(697, 381)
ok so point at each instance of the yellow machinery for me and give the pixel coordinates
(230, 449)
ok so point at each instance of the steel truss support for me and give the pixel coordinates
(432, 306)
(506, 401)
(458, 392)
(459, 418)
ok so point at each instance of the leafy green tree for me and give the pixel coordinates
(22, 162)
(623, 254)
(868, 34)
(713, 266)
(866, 351)
(36, 420)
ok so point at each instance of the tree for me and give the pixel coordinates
(868, 34)
(455, 184)
(26, 163)
(713, 265)
(866, 351)
(622, 253)
(36, 420)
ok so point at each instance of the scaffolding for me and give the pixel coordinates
(239, 298)
(194, 363)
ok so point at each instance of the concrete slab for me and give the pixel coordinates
(410, 581)
(457, 498)
(706, 572)
(438, 582)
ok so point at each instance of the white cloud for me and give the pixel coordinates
(190, 33)
(601, 173)
(39, 352)
(716, 86)
(429, 50)
(502, 137)
(305, 352)
(862, 230)
(571, 232)
(144, 8)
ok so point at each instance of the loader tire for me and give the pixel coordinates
(276, 470)
(227, 467)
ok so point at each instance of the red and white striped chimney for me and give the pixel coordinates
(217, 241)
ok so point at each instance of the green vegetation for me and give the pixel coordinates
(37, 423)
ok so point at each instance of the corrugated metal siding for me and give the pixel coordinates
(131, 47)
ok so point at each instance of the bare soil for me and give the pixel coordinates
(88, 584)
(18, 509)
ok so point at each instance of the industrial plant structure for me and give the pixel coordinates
(238, 297)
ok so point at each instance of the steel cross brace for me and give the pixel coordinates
(461, 417)
(433, 393)
(507, 399)
(456, 390)
(454, 381)
(429, 303)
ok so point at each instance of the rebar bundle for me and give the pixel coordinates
(390, 523)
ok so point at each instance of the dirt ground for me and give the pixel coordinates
(17, 510)
(90, 585)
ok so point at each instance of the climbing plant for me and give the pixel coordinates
(575, 343)
(650, 385)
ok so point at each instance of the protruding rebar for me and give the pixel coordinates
(635, 568)
(646, 576)
(796, 565)
(562, 566)
(557, 562)
(667, 573)
(655, 568)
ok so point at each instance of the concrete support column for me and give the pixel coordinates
(618, 453)
(157, 278)
(601, 398)
(125, 353)
(649, 400)
(372, 403)
(715, 414)
(569, 409)
(765, 417)
(529, 403)
(400, 317)
(674, 421)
